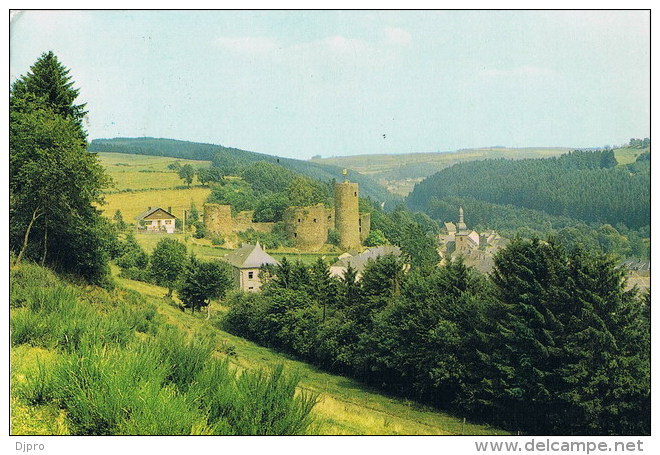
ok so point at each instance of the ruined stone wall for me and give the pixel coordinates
(365, 226)
(243, 221)
(217, 219)
(307, 226)
(347, 215)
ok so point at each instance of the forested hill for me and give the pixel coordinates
(588, 186)
(227, 156)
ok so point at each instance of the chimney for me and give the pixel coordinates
(149, 208)
(169, 209)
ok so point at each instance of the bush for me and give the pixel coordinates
(200, 230)
(110, 381)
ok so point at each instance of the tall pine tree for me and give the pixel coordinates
(54, 181)
(565, 350)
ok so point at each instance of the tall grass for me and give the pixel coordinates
(110, 380)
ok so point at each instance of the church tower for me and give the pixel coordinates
(461, 235)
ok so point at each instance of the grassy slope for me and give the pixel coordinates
(151, 184)
(137, 172)
(346, 406)
(132, 204)
(627, 155)
(376, 164)
(174, 148)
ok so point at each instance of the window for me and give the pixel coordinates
(355, 194)
(299, 220)
(250, 275)
(315, 220)
(295, 234)
(168, 221)
(360, 229)
(147, 223)
(251, 287)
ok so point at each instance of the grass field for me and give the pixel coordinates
(134, 203)
(346, 407)
(628, 155)
(137, 172)
(203, 249)
(151, 185)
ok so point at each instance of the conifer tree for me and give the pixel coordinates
(565, 348)
(54, 181)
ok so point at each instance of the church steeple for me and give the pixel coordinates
(461, 227)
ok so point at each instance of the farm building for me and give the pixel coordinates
(246, 262)
(155, 219)
(359, 261)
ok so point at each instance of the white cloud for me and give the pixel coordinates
(247, 44)
(519, 71)
(397, 36)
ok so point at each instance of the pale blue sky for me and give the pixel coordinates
(299, 84)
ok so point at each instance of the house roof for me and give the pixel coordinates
(249, 257)
(151, 211)
(359, 261)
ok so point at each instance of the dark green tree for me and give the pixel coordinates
(49, 81)
(202, 282)
(119, 220)
(168, 261)
(186, 173)
(322, 287)
(376, 238)
(271, 207)
(54, 181)
(561, 330)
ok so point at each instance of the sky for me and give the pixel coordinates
(333, 83)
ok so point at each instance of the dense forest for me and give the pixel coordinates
(232, 158)
(549, 343)
(541, 196)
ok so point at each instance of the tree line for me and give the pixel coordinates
(549, 343)
(584, 185)
(230, 160)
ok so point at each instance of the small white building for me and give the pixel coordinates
(156, 219)
(360, 261)
(246, 263)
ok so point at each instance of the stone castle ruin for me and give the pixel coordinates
(307, 226)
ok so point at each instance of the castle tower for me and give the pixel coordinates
(307, 226)
(347, 216)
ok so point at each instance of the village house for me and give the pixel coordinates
(477, 249)
(246, 263)
(156, 219)
(358, 262)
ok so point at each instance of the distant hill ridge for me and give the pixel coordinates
(201, 151)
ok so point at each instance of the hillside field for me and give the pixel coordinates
(627, 155)
(145, 181)
(400, 172)
(344, 407)
(139, 172)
